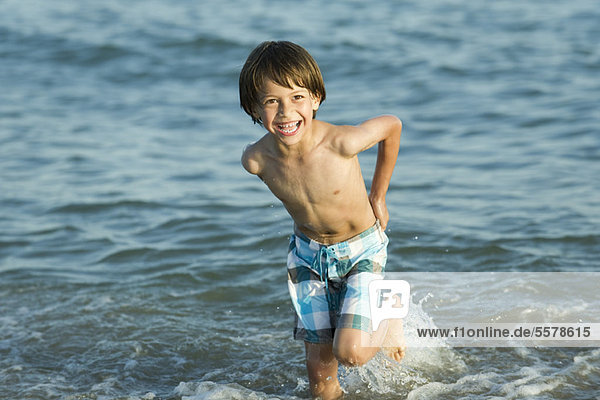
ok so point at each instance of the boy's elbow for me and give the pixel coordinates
(395, 126)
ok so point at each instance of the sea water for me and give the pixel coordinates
(138, 260)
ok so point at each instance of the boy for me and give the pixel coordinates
(339, 244)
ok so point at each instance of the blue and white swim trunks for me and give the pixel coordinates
(329, 284)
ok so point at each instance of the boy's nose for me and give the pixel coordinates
(283, 108)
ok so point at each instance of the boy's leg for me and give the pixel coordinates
(353, 347)
(322, 369)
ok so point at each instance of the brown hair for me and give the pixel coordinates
(286, 64)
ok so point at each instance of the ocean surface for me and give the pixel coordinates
(138, 260)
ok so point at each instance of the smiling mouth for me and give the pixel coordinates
(289, 129)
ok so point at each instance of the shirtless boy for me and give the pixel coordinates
(339, 244)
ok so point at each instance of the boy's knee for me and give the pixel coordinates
(351, 356)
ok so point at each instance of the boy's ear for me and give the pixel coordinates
(316, 102)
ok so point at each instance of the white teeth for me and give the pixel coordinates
(289, 127)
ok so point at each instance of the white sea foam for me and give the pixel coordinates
(491, 385)
(208, 390)
(384, 376)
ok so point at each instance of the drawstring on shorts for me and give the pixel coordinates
(322, 268)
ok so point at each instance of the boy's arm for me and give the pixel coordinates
(386, 131)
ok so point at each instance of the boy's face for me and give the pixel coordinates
(287, 113)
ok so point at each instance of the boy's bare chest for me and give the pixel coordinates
(309, 180)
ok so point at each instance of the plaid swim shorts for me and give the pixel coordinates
(329, 284)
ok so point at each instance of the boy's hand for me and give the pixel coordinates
(380, 210)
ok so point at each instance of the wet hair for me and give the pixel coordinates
(286, 64)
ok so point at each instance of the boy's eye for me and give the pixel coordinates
(298, 97)
(270, 101)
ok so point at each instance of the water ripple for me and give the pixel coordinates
(97, 207)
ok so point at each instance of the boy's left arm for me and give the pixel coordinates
(386, 131)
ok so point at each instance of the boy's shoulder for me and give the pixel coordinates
(335, 132)
(342, 138)
(253, 155)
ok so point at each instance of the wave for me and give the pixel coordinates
(92, 208)
(47, 47)
(200, 42)
(148, 255)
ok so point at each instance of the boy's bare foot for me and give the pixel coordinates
(327, 392)
(395, 353)
(394, 345)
